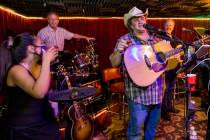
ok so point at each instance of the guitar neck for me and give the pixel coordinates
(68, 82)
(173, 52)
(202, 40)
(73, 90)
(77, 109)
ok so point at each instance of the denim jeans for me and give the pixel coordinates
(142, 115)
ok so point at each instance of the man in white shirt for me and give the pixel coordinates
(52, 35)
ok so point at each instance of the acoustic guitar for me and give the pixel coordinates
(174, 60)
(82, 128)
(146, 63)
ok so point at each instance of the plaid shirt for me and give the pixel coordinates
(149, 95)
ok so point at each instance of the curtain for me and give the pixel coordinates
(105, 30)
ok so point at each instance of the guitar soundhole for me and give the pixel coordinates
(161, 57)
(147, 62)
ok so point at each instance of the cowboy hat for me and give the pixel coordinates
(134, 12)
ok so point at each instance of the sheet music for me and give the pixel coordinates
(202, 51)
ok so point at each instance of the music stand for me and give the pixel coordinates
(202, 51)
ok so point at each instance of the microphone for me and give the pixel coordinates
(186, 30)
(150, 27)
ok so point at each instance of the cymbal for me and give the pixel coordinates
(74, 94)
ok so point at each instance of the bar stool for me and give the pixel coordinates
(115, 85)
(179, 87)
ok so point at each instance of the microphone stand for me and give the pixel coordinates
(183, 68)
(197, 65)
(186, 100)
(188, 92)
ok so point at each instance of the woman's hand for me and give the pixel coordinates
(50, 55)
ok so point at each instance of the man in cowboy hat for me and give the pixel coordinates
(144, 103)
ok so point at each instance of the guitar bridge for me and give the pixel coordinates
(147, 62)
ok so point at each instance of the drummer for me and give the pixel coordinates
(52, 35)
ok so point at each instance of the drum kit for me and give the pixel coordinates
(84, 62)
(68, 73)
(79, 65)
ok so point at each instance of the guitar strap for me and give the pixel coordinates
(137, 40)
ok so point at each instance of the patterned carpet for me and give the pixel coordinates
(167, 130)
(174, 129)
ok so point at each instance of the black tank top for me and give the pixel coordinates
(28, 117)
(25, 110)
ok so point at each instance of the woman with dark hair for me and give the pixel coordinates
(29, 113)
